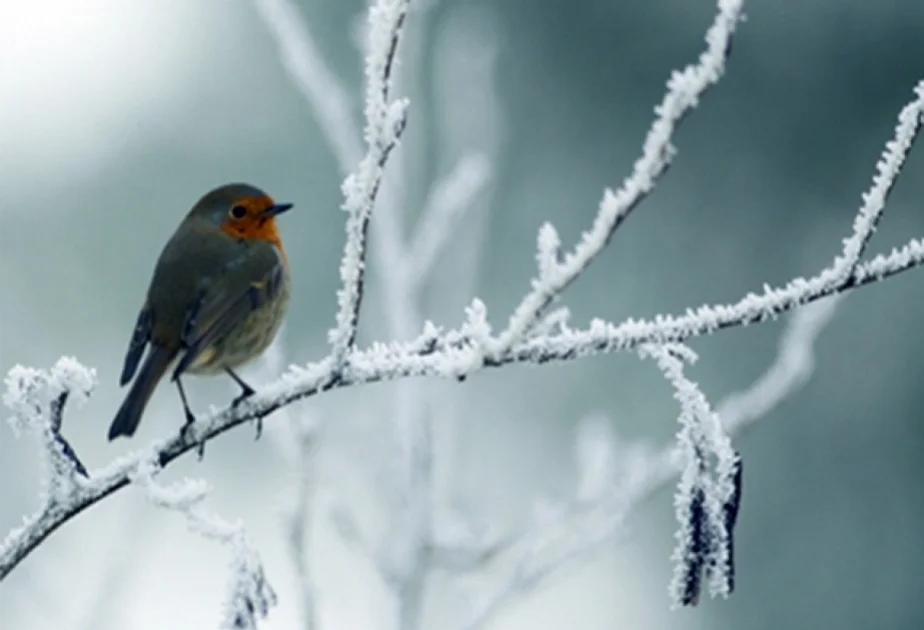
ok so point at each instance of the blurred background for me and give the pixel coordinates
(116, 116)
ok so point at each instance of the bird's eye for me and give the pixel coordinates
(237, 212)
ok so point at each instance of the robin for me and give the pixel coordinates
(218, 296)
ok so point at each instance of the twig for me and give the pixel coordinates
(580, 528)
(385, 122)
(704, 497)
(250, 594)
(684, 89)
(314, 79)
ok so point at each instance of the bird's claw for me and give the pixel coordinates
(244, 395)
(184, 432)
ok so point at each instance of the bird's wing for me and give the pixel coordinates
(136, 346)
(245, 285)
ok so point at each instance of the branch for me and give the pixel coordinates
(385, 122)
(684, 89)
(704, 497)
(317, 83)
(37, 399)
(462, 352)
(450, 354)
(251, 596)
(605, 499)
(604, 337)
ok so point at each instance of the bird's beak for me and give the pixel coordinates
(276, 209)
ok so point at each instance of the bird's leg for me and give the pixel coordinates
(246, 392)
(190, 418)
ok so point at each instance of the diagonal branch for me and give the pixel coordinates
(684, 89)
(602, 337)
(314, 79)
(427, 357)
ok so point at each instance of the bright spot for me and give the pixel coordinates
(78, 77)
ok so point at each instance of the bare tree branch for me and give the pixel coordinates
(385, 122)
(684, 89)
(574, 531)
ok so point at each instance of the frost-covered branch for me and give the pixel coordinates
(385, 122)
(447, 354)
(615, 478)
(707, 500)
(684, 89)
(37, 397)
(404, 563)
(250, 594)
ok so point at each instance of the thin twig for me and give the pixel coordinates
(582, 527)
(684, 91)
(385, 122)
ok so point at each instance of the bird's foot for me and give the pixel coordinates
(184, 432)
(246, 393)
(246, 390)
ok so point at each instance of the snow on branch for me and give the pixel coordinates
(385, 122)
(684, 90)
(707, 500)
(38, 398)
(250, 594)
(614, 478)
(408, 264)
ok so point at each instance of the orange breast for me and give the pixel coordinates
(264, 230)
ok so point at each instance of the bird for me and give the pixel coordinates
(216, 299)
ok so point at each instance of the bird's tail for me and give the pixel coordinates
(153, 368)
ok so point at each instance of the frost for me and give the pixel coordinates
(611, 478)
(708, 494)
(37, 399)
(250, 594)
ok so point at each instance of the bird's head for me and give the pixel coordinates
(241, 211)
